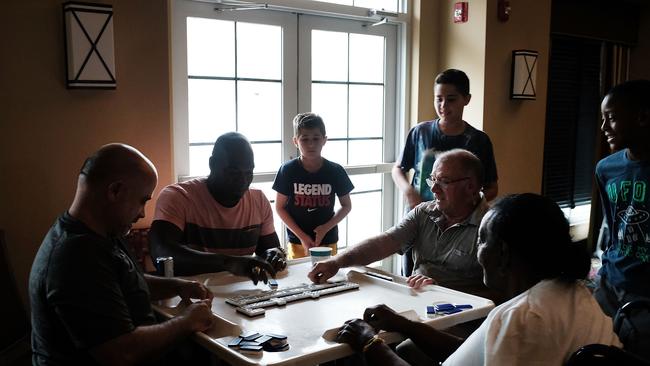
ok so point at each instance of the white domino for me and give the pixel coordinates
(251, 311)
(253, 305)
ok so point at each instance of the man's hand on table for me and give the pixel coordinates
(277, 257)
(418, 280)
(198, 315)
(252, 267)
(193, 290)
(322, 271)
(357, 333)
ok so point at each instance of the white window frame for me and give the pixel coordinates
(184, 9)
(396, 99)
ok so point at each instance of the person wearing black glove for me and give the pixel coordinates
(217, 223)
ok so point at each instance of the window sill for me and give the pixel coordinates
(578, 220)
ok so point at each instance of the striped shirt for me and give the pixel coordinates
(207, 225)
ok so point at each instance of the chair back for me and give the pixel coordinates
(631, 323)
(138, 242)
(603, 355)
(14, 337)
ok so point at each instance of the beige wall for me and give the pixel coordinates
(462, 46)
(516, 127)
(46, 130)
(482, 48)
(425, 43)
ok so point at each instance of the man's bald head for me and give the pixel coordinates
(114, 185)
(466, 161)
(115, 162)
(231, 168)
(229, 144)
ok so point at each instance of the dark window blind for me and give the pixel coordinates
(572, 120)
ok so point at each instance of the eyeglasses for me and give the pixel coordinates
(443, 183)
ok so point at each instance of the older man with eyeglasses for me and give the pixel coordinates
(442, 232)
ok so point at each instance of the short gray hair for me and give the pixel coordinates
(469, 162)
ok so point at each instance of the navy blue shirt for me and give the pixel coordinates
(311, 196)
(623, 185)
(426, 140)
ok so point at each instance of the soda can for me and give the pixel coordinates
(165, 266)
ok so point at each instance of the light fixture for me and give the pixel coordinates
(524, 70)
(89, 45)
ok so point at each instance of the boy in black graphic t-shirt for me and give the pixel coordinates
(307, 187)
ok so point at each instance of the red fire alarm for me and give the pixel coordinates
(460, 12)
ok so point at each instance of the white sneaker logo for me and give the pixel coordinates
(311, 209)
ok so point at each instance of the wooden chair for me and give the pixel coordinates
(15, 346)
(138, 241)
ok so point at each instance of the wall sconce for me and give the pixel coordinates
(524, 71)
(89, 49)
(503, 10)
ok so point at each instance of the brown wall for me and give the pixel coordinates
(612, 20)
(424, 60)
(516, 127)
(640, 55)
(462, 46)
(482, 48)
(46, 130)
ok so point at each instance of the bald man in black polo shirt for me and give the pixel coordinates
(91, 304)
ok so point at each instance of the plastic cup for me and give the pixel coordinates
(319, 254)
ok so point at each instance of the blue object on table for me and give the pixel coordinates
(235, 342)
(446, 308)
(251, 337)
(450, 311)
(443, 307)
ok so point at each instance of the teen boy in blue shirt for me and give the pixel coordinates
(449, 131)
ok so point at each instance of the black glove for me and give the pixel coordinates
(254, 268)
(357, 333)
(277, 257)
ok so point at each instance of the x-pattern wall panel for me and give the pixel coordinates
(89, 45)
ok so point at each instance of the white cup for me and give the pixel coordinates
(319, 254)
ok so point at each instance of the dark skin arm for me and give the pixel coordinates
(268, 247)
(436, 344)
(166, 239)
(357, 333)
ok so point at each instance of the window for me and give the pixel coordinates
(253, 71)
(572, 120)
(234, 83)
(387, 5)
